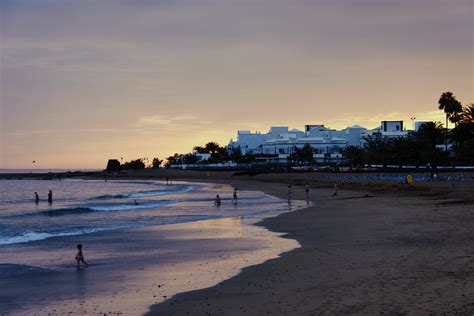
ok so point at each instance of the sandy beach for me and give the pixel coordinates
(388, 249)
(377, 247)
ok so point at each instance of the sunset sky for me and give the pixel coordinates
(84, 81)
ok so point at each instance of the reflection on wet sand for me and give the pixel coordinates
(133, 269)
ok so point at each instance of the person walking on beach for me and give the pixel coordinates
(217, 201)
(234, 197)
(37, 198)
(50, 197)
(335, 190)
(307, 193)
(167, 180)
(80, 257)
(289, 194)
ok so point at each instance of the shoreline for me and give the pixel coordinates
(161, 273)
(402, 249)
(387, 253)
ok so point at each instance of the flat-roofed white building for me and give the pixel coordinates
(387, 129)
(328, 144)
(279, 142)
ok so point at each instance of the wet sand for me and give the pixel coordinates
(402, 251)
(377, 247)
(130, 269)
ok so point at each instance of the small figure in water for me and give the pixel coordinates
(234, 198)
(289, 193)
(335, 190)
(50, 197)
(217, 201)
(167, 180)
(136, 203)
(80, 257)
(307, 193)
(37, 198)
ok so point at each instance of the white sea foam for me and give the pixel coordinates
(156, 193)
(28, 236)
(129, 207)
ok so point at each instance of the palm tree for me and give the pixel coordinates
(377, 149)
(463, 135)
(467, 115)
(429, 135)
(212, 147)
(403, 149)
(355, 156)
(303, 155)
(236, 154)
(451, 107)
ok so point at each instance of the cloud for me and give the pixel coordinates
(138, 75)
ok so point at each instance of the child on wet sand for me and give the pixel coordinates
(80, 257)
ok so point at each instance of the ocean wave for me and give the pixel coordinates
(29, 236)
(142, 194)
(104, 208)
(97, 208)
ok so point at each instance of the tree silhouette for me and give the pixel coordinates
(429, 135)
(303, 155)
(377, 149)
(462, 136)
(134, 164)
(212, 148)
(156, 163)
(172, 160)
(451, 107)
(355, 156)
(403, 150)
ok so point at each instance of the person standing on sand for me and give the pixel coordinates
(335, 190)
(50, 197)
(289, 194)
(37, 198)
(234, 197)
(307, 193)
(80, 257)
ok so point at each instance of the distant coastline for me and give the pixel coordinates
(45, 170)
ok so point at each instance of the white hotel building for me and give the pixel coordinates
(278, 144)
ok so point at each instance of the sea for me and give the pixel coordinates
(144, 241)
(86, 206)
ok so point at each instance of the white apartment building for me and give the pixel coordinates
(278, 143)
